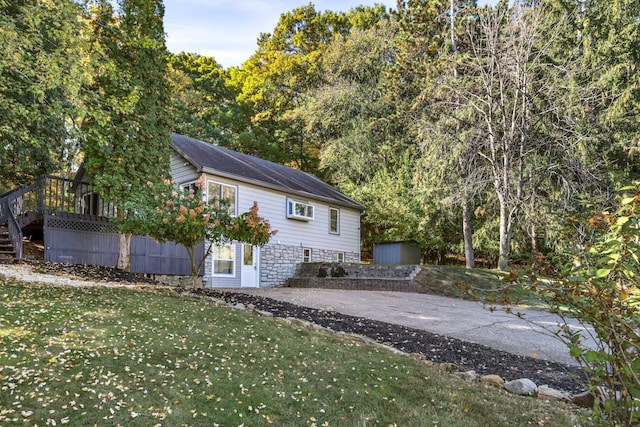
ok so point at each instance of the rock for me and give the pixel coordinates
(586, 399)
(301, 322)
(239, 306)
(467, 376)
(264, 313)
(522, 386)
(551, 394)
(251, 307)
(447, 367)
(495, 380)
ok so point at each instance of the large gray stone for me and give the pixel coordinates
(522, 386)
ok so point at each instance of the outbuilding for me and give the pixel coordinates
(396, 253)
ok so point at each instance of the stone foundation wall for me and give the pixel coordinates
(279, 262)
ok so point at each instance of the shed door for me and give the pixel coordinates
(249, 273)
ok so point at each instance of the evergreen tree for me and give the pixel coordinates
(127, 129)
(39, 76)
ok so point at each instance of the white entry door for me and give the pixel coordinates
(249, 272)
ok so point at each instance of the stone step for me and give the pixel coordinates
(393, 285)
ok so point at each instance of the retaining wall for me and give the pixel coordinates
(398, 278)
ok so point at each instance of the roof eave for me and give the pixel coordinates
(304, 194)
(195, 164)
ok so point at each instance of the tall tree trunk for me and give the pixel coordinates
(467, 234)
(534, 239)
(505, 236)
(124, 252)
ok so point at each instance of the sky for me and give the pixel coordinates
(228, 30)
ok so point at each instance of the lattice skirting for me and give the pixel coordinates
(66, 223)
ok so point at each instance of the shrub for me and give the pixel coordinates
(600, 287)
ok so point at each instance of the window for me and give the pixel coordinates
(334, 221)
(191, 186)
(340, 257)
(216, 190)
(223, 260)
(299, 210)
(306, 255)
(248, 255)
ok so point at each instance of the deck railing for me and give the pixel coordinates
(49, 195)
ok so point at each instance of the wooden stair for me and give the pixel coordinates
(7, 254)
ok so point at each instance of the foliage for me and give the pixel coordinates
(600, 288)
(184, 217)
(610, 43)
(40, 72)
(127, 129)
(203, 101)
(285, 65)
(127, 140)
(114, 356)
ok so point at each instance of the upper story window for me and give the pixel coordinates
(190, 186)
(334, 221)
(219, 191)
(299, 210)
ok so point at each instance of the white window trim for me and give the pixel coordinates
(233, 260)
(291, 210)
(338, 257)
(222, 185)
(304, 257)
(337, 232)
(187, 186)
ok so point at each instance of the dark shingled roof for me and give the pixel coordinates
(216, 160)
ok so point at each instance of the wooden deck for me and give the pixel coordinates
(49, 195)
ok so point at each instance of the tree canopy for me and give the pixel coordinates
(469, 130)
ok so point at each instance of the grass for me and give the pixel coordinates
(478, 284)
(107, 356)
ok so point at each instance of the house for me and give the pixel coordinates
(315, 222)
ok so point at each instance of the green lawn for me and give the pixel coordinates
(105, 356)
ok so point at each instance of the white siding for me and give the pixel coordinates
(181, 170)
(292, 235)
(315, 234)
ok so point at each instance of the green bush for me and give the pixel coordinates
(600, 288)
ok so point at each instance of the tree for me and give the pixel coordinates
(428, 43)
(40, 75)
(127, 128)
(610, 45)
(203, 100)
(282, 69)
(184, 217)
(348, 113)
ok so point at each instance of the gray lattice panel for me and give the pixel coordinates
(83, 225)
